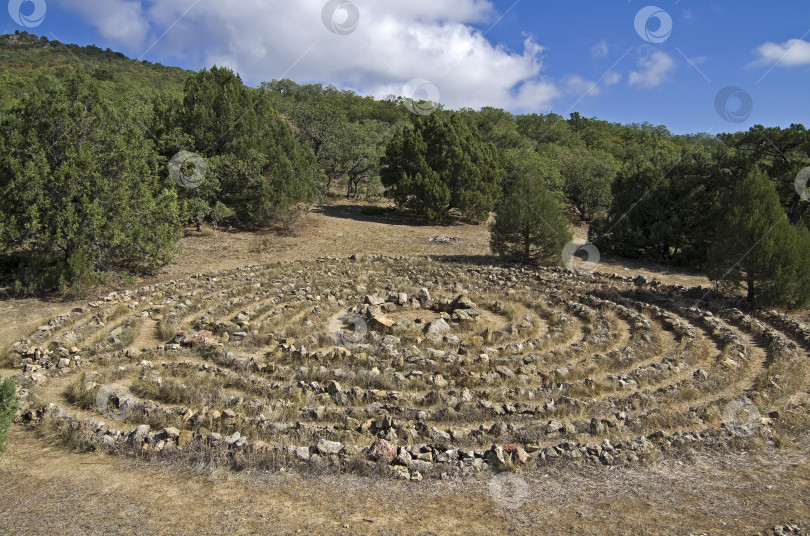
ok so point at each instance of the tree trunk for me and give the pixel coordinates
(750, 288)
(796, 209)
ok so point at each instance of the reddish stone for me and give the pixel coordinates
(517, 453)
(383, 451)
(198, 338)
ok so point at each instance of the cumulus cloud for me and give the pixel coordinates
(653, 69)
(120, 21)
(791, 53)
(395, 41)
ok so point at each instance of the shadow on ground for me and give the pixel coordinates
(377, 214)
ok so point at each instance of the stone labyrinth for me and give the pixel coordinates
(412, 367)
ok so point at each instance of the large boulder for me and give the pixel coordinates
(438, 327)
(516, 453)
(333, 387)
(423, 296)
(373, 299)
(328, 447)
(380, 322)
(498, 459)
(382, 451)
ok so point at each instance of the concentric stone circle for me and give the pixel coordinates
(419, 367)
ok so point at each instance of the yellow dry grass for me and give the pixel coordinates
(47, 490)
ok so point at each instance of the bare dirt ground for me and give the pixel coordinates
(47, 490)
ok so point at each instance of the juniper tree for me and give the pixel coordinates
(81, 189)
(529, 224)
(255, 165)
(757, 250)
(440, 165)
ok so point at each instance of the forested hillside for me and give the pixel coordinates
(23, 55)
(103, 159)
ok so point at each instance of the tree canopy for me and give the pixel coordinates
(530, 225)
(83, 191)
(757, 250)
(440, 165)
(105, 158)
(255, 166)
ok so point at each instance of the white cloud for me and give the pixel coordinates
(654, 68)
(121, 21)
(600, 49)
(791, 53)
(395, 42)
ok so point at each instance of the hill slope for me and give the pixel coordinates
(23, 56)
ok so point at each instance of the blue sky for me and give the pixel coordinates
(524, 56)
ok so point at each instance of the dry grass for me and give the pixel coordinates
(80, 393)
(658, 496)
(167, 328)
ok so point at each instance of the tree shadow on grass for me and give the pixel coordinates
(377, 214)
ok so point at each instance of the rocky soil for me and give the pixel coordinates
(414, 368)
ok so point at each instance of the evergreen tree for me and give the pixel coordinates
(440, 165)
(665, 206)
(81, 191)
(757, 250)
(255, 165)
(529, 221)
(520, 164)
(588, 177)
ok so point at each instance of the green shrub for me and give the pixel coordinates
(8, 408)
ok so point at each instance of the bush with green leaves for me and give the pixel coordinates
(8, 408)
(441, 165)
(82, 189)
(255, 165)
(667, 201)
(588, 176)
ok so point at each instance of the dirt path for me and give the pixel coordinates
(49, 491)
